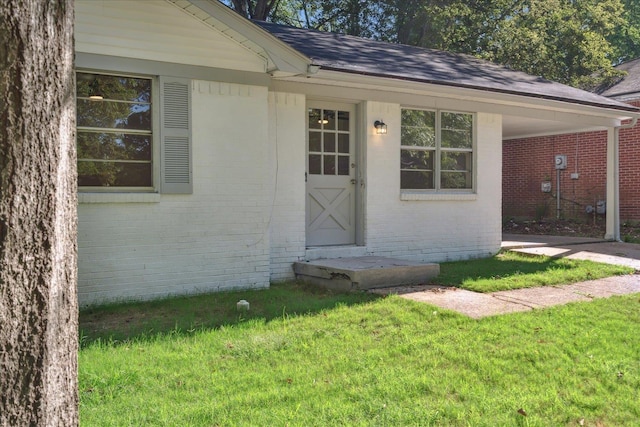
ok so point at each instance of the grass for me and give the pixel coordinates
(510, 270)
(120, 322)
(308, 357)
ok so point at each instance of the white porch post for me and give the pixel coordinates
(613, 185)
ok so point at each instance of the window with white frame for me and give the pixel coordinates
(114, 131)
(436, 150)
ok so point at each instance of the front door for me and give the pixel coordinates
(331, 173)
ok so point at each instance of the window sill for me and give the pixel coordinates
(413, 196)
(118, 197)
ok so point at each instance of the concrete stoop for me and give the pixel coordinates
(361, 273)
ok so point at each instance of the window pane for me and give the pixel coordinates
(113, 87)
(418, 128)
(455, 161)
(343, 120)
(456, 170)
(455, 180)
(329, 142)
(416, 159)
(315, 120)
(416, 180)
(343, 165)
(329, 119)
(314, 141)
(457, 130)
(343, 143)
(114, 174)
(315, 164)
(114, 115)
(329, 165)
(113, 146)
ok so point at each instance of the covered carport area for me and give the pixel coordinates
(581, 115)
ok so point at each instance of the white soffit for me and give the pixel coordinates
(514, 127)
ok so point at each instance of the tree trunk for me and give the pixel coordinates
(38, 301)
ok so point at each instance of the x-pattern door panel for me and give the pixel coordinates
(330, 175)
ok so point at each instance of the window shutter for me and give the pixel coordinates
(175, 136)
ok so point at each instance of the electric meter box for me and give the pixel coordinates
(561, 161)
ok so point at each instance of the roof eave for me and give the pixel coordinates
(285, 59)
(630, 111)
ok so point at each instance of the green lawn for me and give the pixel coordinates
(307, 357)
(511, 270)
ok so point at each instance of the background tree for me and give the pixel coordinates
(254, 9)
(38, 308)
(626, 36)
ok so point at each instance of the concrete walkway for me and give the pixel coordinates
(627, 254)
(477, 305)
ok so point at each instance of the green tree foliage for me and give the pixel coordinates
(570, 41)
(561, 40)
(626, 36)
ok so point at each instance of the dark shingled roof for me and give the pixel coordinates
(627, 85)
(356, 55)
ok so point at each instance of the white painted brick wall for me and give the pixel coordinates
(287, 136)
(430, 230)
(214, 239)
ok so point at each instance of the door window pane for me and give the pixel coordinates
(315, 141)
(315, 164)
(343, 143)
(329, 165)
(315, 118)
(343, 120)
(329, 121)
(329, 142)
(343, 165)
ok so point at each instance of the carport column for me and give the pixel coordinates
(613, 185)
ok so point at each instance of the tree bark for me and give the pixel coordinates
(38, 300)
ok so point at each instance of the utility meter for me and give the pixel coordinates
(561, 161)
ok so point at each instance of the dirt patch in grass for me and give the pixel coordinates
(629, 230)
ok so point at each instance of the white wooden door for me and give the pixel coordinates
(331, 173)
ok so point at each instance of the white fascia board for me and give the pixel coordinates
(514, 104)
(431, 99)
(283, 57)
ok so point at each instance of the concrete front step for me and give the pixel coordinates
(360, 273)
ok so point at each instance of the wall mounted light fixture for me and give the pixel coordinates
(381, 127)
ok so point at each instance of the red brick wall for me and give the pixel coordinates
(528, 162)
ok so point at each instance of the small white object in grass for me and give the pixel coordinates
(243, 305)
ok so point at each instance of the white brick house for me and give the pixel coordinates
(215, 152)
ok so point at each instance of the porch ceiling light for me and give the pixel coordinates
(381, 127)
(94, 90)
